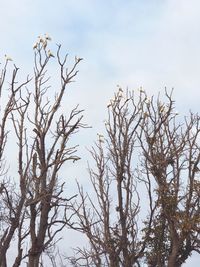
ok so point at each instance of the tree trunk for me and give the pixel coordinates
(4, 262)
(173, 257)
(34, 259)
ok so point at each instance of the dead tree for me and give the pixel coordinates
(146, 153)
(110, 221)
(33, 204)
(11, 200)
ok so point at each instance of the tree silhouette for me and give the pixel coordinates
(144, 172)
(146, 153)
(33, 203)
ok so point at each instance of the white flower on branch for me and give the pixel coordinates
(8, 58)
(101, 138)
(78, 59)
(141, 90)
(35, 45)
(40, 39)
(50, 54)
(47, 37)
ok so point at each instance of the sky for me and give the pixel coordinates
(148, 43)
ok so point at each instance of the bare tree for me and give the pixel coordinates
(147, 153)
(110, 222)
(33, 204)
(11, 203)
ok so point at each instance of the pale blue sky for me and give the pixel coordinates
(149, 43)
(132, 43)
